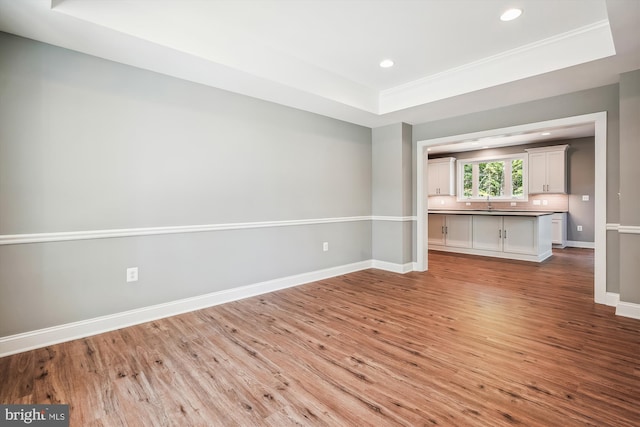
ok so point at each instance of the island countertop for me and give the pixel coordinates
(489, 212)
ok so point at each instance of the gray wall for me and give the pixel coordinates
(630, 186)
(594, 100)
(391, 193)
(581, 178)
(88, 144)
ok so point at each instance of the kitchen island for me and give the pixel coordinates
(520, 235)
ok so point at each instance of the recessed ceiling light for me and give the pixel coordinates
(545, 133)
(386, 63)
(511, 14)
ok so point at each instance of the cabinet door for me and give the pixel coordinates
(445, 172)
(537, 172)
(458, 231)
(556, 231)
(433, 177)
(436, 229)
(487, 232)
(520, 235)
(556, 172)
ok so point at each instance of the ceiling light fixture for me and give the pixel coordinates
(510, 15)
(545, 133)
(386, 63)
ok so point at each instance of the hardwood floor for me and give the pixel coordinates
(472, 342)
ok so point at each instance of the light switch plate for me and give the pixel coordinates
(585, 198)
(536, 202)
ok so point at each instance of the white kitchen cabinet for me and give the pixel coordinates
(559, 229)
(435, 229)
(442, 177)
(450, 230)
(502, 234)
(519, 235)
(548, 169)
(487, 233)
(511, 234)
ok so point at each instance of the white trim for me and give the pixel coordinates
(612, 299)
(629, 229)
(577, 244)
(15, 239)
(600, 186)
(393, 218)
(613, 227)
(393, 267)
(495, 254)
(550, 54)
(628, 309)
(70, 331)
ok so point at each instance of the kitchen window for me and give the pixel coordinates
(498, 178)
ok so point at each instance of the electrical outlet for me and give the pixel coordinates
(579, 228)
(513, 204)
(468, 204)
(442, 202)
(132, 274)
(585, 197)
(545, 202)
(536, 202)
(325, 246)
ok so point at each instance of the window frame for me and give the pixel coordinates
(475, 161)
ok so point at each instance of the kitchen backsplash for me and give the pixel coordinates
(554, 203)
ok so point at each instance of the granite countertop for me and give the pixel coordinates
(489, 212)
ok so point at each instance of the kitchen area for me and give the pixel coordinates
(515, 202)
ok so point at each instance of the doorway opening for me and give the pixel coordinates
(598, 120)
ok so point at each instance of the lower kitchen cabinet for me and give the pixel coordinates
(450, 230)
(515, 236)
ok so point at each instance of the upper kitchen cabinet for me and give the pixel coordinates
(442, 176)
(548, 169)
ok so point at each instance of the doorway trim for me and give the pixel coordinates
(600, 188)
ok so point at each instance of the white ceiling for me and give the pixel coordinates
(541, 135)
(452, 57)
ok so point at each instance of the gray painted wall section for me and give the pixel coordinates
(581, 178)
(629, 185)
(88, 144)
(391, 192)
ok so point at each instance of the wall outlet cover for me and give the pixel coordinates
(585, 197)
(513, 204)
(132, 274)
(536, 202)
(325, 246)
(545, 202)
(579, 228)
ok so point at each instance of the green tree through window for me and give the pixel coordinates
(497, 178)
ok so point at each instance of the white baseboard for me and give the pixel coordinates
(393, 267)
(577, 244)
(18, 343)
(628, 309)
(612, 299)
(53, 335)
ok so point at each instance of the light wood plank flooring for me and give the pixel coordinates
(472, 342)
